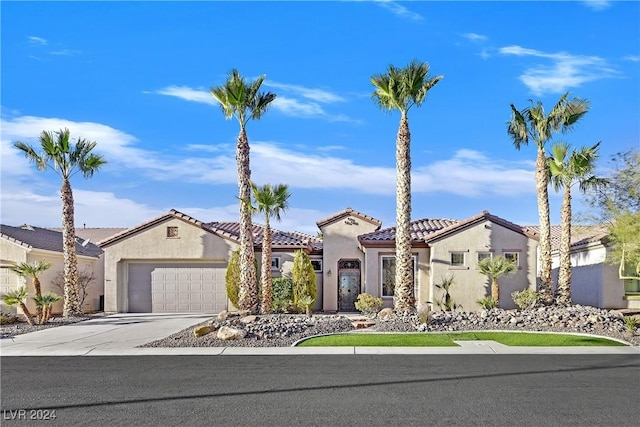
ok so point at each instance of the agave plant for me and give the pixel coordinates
(17, 297)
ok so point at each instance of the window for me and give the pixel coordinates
(632, 286)
(457, 259)
(484, 255)
(388, 273)
(172, 232)
(317, 264)
(513, 256)
(275, 263)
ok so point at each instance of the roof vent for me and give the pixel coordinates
(26, 227)
(85, 243)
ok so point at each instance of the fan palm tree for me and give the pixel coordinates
(271, 202)
(45, 303)
(400, 89)
(495, 268)
(565, 170)
(33, 270)
(18, 297)
(66, 159)
(244, 101)
(532, 124)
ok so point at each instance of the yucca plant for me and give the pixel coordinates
(631, 323)
(306, 301)
(17, 297)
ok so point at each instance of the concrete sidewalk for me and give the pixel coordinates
(121, 334)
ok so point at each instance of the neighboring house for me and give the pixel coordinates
(176, 263)
(29, 244)
(594, 282)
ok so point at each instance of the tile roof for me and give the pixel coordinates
(345, 213)
(231, 230)
(430, 229)
(420, 230)
(45, 239)
(580, 234)
(94, 234)
(227, 230)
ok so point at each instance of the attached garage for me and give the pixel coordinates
(176, 288)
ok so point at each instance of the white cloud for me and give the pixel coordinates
(564, 72)
(318, 95)
(474, 37)
(597, 5)
(37, 41)
(66, 52)
(398, 9)
(288, 106)
(632, 58)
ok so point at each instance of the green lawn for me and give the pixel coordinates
(517, 339)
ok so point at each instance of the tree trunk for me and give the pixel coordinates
(495, 290)
(72, 305)
(564, 274)
(403, 298)
(265, 277)
(542, 190)
(248, 293)
(38, 289)
(26, 312)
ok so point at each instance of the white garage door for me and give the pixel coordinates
(177, 288)
(9, 281)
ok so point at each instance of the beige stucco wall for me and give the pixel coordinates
(13, 253)
(470, 285)
(340, 241)
(373, 273)
(152, 245)
(594, 282)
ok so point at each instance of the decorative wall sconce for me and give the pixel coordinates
(329, 272)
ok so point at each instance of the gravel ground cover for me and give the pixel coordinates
(283, 330)
(22, 327)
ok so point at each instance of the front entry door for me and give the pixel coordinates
(349, 285)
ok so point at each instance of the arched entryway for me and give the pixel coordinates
(348, 284)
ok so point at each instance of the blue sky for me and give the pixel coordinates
(135, 77)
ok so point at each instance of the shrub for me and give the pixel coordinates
(487, 303)
(232, 278)
(304, 278)
(631, 323)
(306, 301)
(367, 304)
(446, 302)
(282, 294)
(424, 313)
(525, 299)
(7, 319)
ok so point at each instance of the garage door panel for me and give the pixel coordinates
(177, 287)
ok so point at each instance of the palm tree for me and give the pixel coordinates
(495, 268)
(18, 297)
(45, 303)
(66, 159)
(33, 270)
(271, 202)
(244, 101)
(400, 89)
(532, 124)
(566, 169)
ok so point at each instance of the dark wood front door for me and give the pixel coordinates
(348, 284)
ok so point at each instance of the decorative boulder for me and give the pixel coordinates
(249, 319)
(227, 333)
(201, 331)
(385, 313)
(223, 315)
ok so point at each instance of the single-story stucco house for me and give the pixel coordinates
(30, 244)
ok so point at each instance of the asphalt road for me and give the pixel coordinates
(389, 390)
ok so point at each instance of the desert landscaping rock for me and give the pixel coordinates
(283, 330)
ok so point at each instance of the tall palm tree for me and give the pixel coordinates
(400, 89)
(271, 202)
(66, 159)
(244, 101)
(533, 125)
(33, 270)
(565, 170)
(495, 268)
(18, 297)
